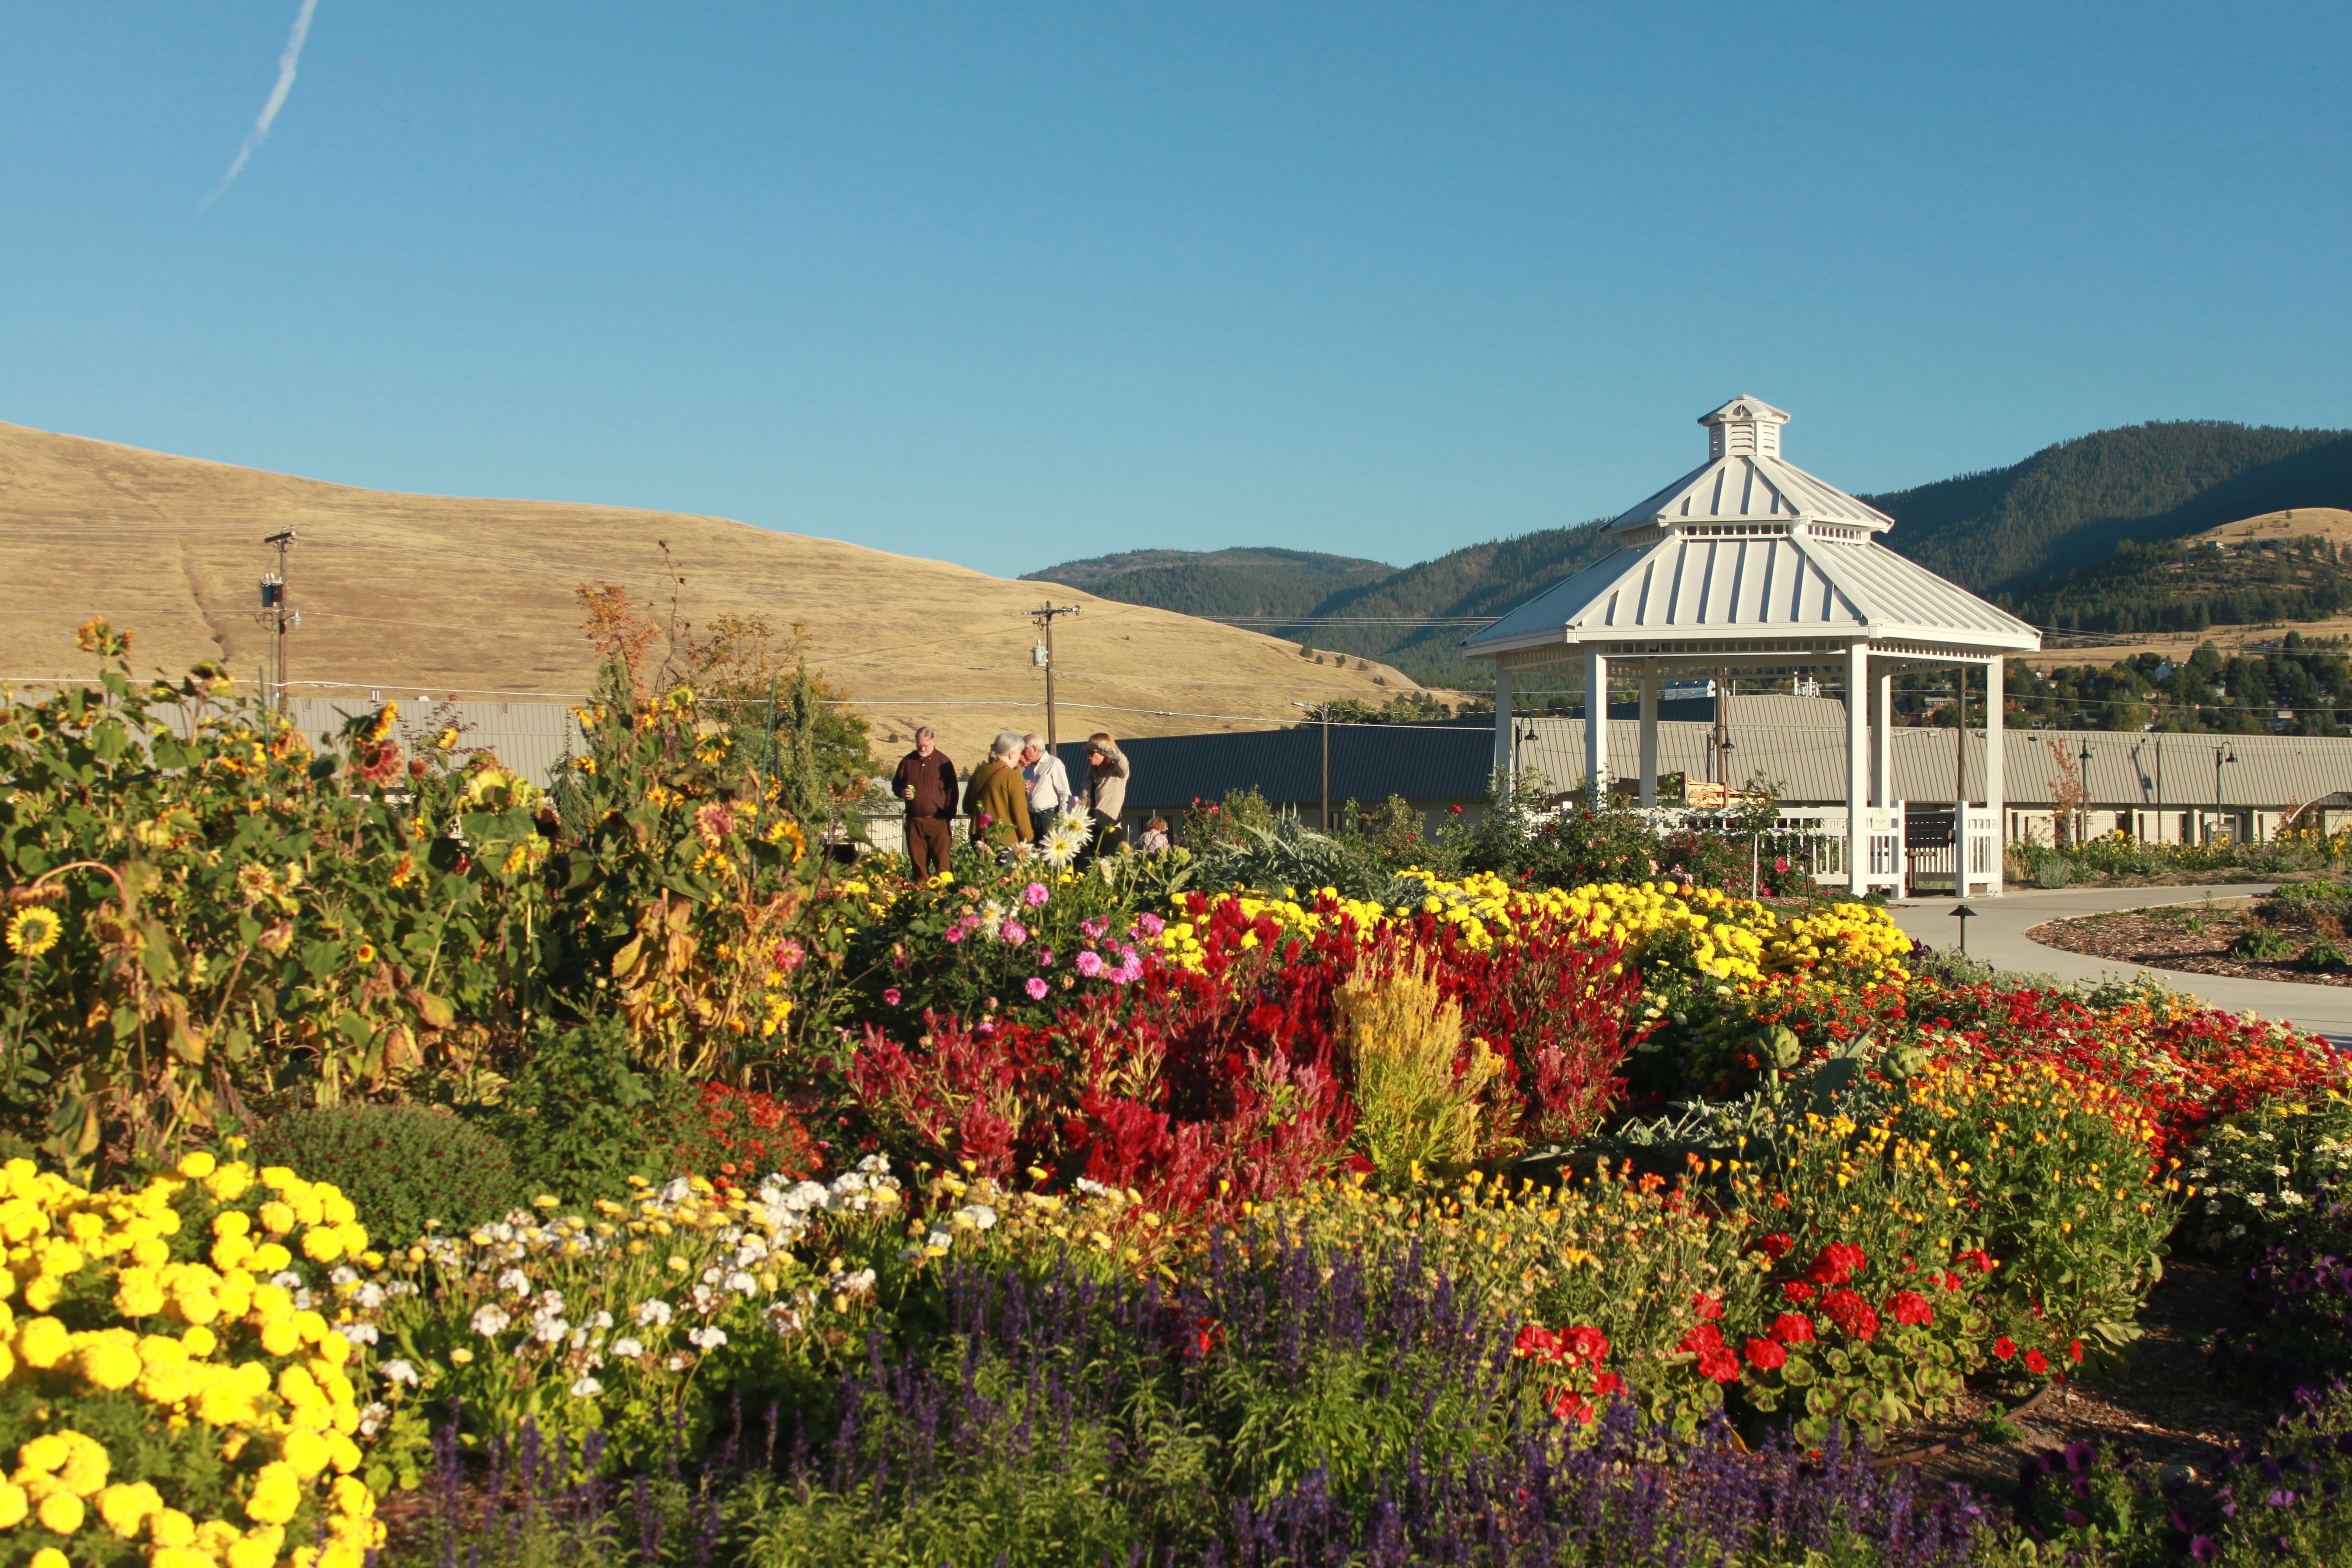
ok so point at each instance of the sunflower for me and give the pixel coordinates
(35, 931)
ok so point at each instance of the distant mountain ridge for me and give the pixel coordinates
(2019, 534)
(1234, 582)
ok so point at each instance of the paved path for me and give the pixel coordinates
(1998, 936)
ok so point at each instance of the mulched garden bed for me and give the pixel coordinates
(2194, 938)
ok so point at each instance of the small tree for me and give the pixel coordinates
(2069, 797)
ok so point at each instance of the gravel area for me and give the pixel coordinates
(2191, 938)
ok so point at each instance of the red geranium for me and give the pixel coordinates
(1766, 1355)
(1797, 1290)
(1792, 1329)
(1777, 1245)
(1910, 1307)
(1851, 1313)
(1715, 1359)
(1706, 1306)
(1839, 1262)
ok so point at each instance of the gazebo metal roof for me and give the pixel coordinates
(1752, 548)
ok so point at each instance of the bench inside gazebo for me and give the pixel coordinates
(1749, 563)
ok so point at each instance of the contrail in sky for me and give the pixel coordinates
(260, 132)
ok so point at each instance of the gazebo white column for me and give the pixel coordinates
(1596, 722)
(1996, 800)
(1857, 767)
(1882, 739)
(1649, 737)
(1504, 728)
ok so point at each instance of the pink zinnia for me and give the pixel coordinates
(1012, 933)
(1152, 925)
(1036, 988)
(891, 998)
(1035, 895)
(1090, 964)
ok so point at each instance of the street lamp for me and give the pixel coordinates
(2217, 759)
(1964, 915)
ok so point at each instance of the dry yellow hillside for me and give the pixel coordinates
(413, 595)
(2331, 523)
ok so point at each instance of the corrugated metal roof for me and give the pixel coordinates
(1781, 585)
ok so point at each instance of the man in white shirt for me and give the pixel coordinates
(1048, 780)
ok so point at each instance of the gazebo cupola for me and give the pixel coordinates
(1744, 428)
(1746, 562)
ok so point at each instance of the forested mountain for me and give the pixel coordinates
(2069, 506)
(1242, 581)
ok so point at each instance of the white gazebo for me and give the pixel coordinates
(1750, 561)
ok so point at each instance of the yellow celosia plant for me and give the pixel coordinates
(170, 1389)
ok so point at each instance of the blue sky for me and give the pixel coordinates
(1008, 284)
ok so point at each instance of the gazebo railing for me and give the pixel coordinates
(1813, 841)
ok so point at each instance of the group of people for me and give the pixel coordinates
(1022, 796)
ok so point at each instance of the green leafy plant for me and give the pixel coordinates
(2263, 944)
(407, 1166)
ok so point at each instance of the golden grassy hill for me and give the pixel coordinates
(2331, 523)
(414, 594)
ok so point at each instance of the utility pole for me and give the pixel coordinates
(1322, 710)
(274, 612)
(1042, 656)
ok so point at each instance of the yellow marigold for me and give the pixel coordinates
(305, 1451)
(13, 1505)
(126, 1507)
(138, 1293)
(48, 1557)
(42, 1343)
(277, 1493)
(62, 1512)
(111, 1358)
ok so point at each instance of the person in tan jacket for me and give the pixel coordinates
(997, 797)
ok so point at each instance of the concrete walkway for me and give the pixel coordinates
(1997, 936)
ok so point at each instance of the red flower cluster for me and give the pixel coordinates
(1839, 1262)
(1715, 1359)
(1849, 1312)
(1910, 1309)
(1579, 1353)
(2185, 1069)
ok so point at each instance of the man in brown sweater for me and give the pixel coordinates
(926, 780)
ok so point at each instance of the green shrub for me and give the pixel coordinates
(402, 1165)
(582, 1119)
(2053, 871)
(2323, 955)
(2263, 944)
